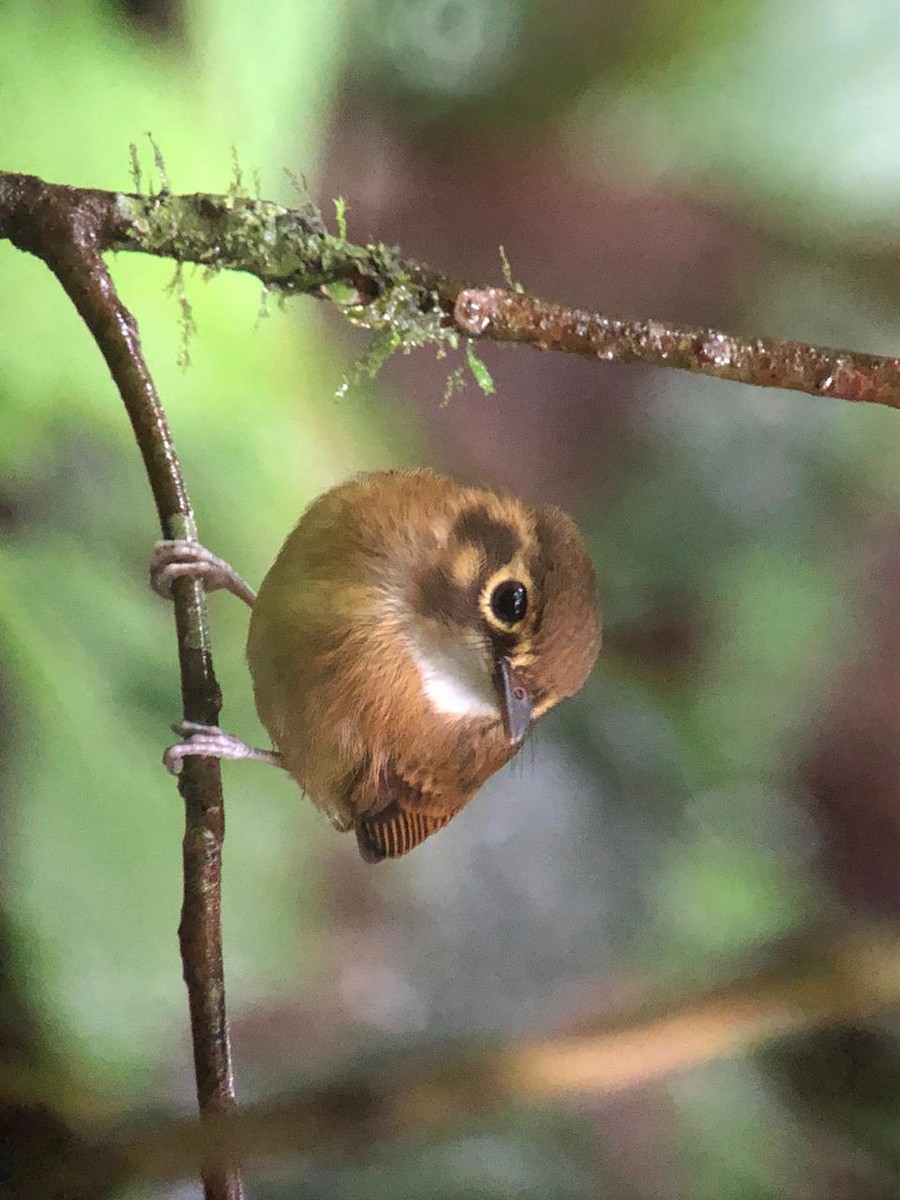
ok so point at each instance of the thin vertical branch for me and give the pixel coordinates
(63, 228)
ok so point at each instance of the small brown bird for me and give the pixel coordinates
(407, 635)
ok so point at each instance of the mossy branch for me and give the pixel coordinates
(377, 287)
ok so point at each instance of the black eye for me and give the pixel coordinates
(509, 601)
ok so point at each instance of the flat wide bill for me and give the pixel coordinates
(516, 702)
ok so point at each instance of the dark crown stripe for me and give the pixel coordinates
(497, 540)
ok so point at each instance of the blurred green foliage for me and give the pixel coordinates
(93, 860)
(744, 506)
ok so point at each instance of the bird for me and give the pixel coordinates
(408, 635)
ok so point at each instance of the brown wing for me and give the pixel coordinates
(401, 815)
(396, 831)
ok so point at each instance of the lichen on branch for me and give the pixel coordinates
(377, 287)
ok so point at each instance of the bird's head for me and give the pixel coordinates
(504, 614)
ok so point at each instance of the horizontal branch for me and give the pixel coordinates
(431, 1091)
(379, 288)
(510, 316)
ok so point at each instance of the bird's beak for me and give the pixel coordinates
(516, 701)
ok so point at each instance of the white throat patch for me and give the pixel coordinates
(455, 681)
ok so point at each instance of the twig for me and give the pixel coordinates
(511, 316)
(431, 1092)
(379, 288)
(65, 228)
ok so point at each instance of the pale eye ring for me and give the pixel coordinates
(509, 601)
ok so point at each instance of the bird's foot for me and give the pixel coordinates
(209, 741)
(173, 560)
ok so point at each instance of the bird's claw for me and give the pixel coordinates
(209, 741)
(176, 558)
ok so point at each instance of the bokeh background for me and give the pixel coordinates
(725, 787)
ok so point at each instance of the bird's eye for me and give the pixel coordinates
(509, 601)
